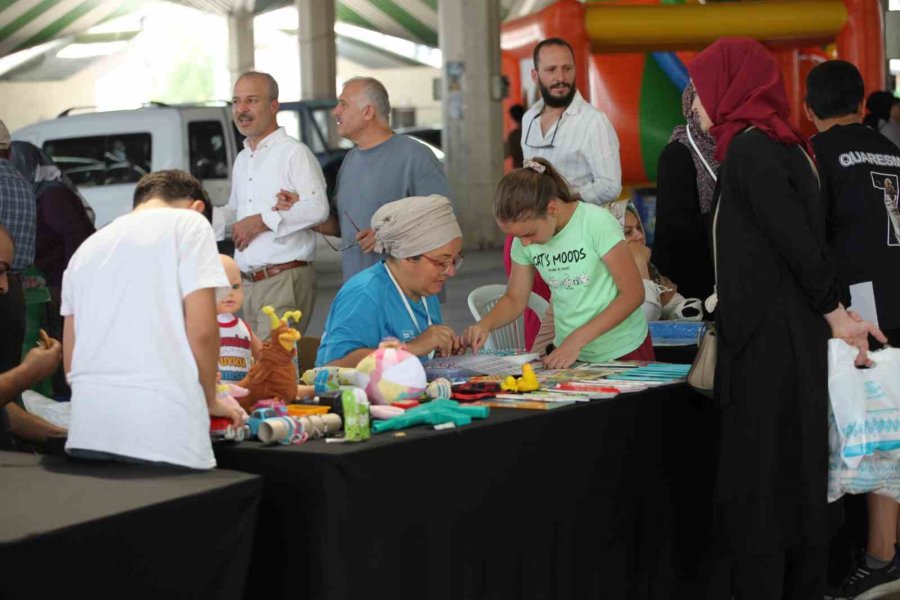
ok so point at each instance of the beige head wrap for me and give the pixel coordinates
(414, 226)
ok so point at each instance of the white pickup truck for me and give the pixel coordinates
(106, 153)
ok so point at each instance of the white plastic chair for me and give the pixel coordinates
(511, 337)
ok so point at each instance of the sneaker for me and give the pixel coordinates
(868, 584)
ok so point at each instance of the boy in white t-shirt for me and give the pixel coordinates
(141, 341)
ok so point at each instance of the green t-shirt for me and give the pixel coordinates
(581, 287)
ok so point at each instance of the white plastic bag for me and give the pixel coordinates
(864, 423)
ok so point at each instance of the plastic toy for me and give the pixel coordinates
(435, 412)
(394, 374)
(528, 382)
(277, 405)
(356, 415)
(274, 374)
(304, 410)
(220, 428)
(439, 388)
(385, 411)
(332, 378)
(257, 417)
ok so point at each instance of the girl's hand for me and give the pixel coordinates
(562, 357)
(474, 336)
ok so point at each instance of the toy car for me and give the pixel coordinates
(257, 417)
(221, 428)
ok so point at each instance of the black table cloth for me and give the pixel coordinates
(109, 530)
(607, 499)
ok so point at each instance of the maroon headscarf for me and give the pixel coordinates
(740, 85)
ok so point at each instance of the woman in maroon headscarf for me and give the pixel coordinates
(778, 303)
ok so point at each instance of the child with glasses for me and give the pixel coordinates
(579, 249)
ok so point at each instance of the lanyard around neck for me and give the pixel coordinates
(409, 310)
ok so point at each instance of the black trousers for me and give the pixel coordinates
(12, 336)
(12, 324)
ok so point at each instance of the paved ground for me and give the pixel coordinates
(479, 268)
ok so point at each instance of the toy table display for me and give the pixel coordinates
(584, 501)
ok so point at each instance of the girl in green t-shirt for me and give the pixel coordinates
(579, 250)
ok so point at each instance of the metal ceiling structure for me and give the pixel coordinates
(28, 23)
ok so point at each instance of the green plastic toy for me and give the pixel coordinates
(433, 413)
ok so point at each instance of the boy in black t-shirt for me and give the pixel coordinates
(860, 177)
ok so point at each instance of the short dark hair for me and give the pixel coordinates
(834, 89)
(517, 111)
(525, 193)
(171, 186)
(555, 41)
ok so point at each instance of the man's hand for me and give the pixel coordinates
(245, 231)
(285, 199)
(437, 337)
(43, 361)
(366, 239)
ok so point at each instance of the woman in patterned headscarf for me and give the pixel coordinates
(686, 181)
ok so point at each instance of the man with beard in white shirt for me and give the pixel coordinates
(576, 138)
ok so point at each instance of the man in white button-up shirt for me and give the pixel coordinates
(562, 127)
(273, 248)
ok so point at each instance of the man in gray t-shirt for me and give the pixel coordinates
(383, 167)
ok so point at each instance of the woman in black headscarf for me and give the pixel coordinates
(686, 182)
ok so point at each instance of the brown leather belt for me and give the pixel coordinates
(273, 270)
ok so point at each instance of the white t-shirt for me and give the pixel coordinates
(135, 387)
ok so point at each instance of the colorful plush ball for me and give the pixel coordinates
(394, 375)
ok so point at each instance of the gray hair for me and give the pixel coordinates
(376, 94)
(270, 82)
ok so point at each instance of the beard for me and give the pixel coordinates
(557, 101)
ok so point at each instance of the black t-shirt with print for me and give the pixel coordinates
(860, 174)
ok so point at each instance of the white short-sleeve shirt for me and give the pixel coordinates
(135, 387)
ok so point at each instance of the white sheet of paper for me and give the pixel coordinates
(862, 300)
(58, 413)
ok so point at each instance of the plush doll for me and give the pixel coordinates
(274, 374)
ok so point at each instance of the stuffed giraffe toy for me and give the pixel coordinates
(274, 374)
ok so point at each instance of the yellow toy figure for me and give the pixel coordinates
(274, 374)
(528, 382)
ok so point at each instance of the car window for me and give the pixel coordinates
(103, 159)
(209, 159)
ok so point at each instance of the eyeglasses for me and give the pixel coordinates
(445, 266)
(555, 131)
(348, 246)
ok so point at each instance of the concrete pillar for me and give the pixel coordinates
(240, 42)
(469, 33)
(318, 57)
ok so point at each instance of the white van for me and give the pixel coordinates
(106, 153)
